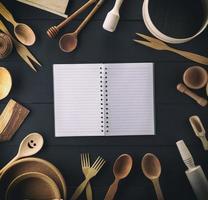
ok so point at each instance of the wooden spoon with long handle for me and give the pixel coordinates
(54, 30)
(29, 146)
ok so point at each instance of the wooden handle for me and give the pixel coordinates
(89, 191)
(191, 56)
(112, 191)
(158, 190)
(204, 142)
(6, 14)
(183, 89)
(87, 19)
(8, 164)
(80, 189)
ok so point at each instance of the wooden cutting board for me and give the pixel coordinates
(57, 7)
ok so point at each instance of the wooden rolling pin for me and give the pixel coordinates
(183, 89)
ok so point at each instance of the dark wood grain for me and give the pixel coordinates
(35, 91)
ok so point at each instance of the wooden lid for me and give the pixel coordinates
(6, 45)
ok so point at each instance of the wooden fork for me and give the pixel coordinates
(85, 163)
(21, 49)
(159, 45)
(97, 165)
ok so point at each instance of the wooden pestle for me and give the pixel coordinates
(183, 89)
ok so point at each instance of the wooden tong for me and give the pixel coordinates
(21, 49)
(161, 46)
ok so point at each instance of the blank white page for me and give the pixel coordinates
(130, 99)
(77, 100)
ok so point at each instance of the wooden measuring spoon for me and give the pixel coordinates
(68, 42)
(152, 169)
(5, 82)
(22, 31)
(29, 146)
(121, 170)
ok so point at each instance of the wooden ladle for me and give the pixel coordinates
(68, 41)
(22, 31)
(29, 146)
(121, 170)
(5, 82)
(152, 169)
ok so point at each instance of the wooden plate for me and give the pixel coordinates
(5, 82)
(33, 185)
(32, 165)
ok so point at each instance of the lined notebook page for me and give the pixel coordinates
(77, 100)
(130, 99)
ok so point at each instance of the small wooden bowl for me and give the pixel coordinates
(6, 45)
(32, 185)
(32, 164)
(195, 77)
(5, 82)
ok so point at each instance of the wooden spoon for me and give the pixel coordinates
(22, 31)
(121, 170)
(5, 82)
(152, 169)
(68, 42)
(29, 146)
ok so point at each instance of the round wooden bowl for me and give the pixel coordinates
(32, 185)
(6, 45)
(195, 77)
(5, 82)
(32, 164)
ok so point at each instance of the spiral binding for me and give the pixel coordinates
(104, 110)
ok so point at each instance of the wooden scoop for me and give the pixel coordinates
(152, 169)
(183, 89)
(29, 146)
(22, 31)
(199, 130)
(121, 170)
(5, 82)
(68, 42)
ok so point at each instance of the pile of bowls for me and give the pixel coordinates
(32, 178)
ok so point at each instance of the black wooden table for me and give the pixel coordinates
(35, 91)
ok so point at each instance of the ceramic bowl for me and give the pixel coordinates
(5, 82)
(195, 77)
(32, 164)
(32, 185)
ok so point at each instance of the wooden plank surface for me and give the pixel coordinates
(35, 91)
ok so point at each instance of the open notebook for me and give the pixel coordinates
(104, 99)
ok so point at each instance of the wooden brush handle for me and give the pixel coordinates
(87, 19)
(158, 190)
(191, 56)
(112, 191)
(6, 14)
(183, 89)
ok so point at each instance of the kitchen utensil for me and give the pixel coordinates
(54, 30)
(11, 119)
(199, 130)
(85, 163)
(183, 89)
(157, 33)
(112, 18)
(29, 146)
(161, 46)
(68, 42)
(32, 185)
(21, 49)
(195, 77)
(151, 168)
(53, 6)
(94, 169)
(22, 31)
(194, 173)
(32, 164)
(6, 45)
(5, 82)
(121, 170)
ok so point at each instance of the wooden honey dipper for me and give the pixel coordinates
(54, 30)
(183, 89)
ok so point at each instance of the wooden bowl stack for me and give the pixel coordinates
(6, 45)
